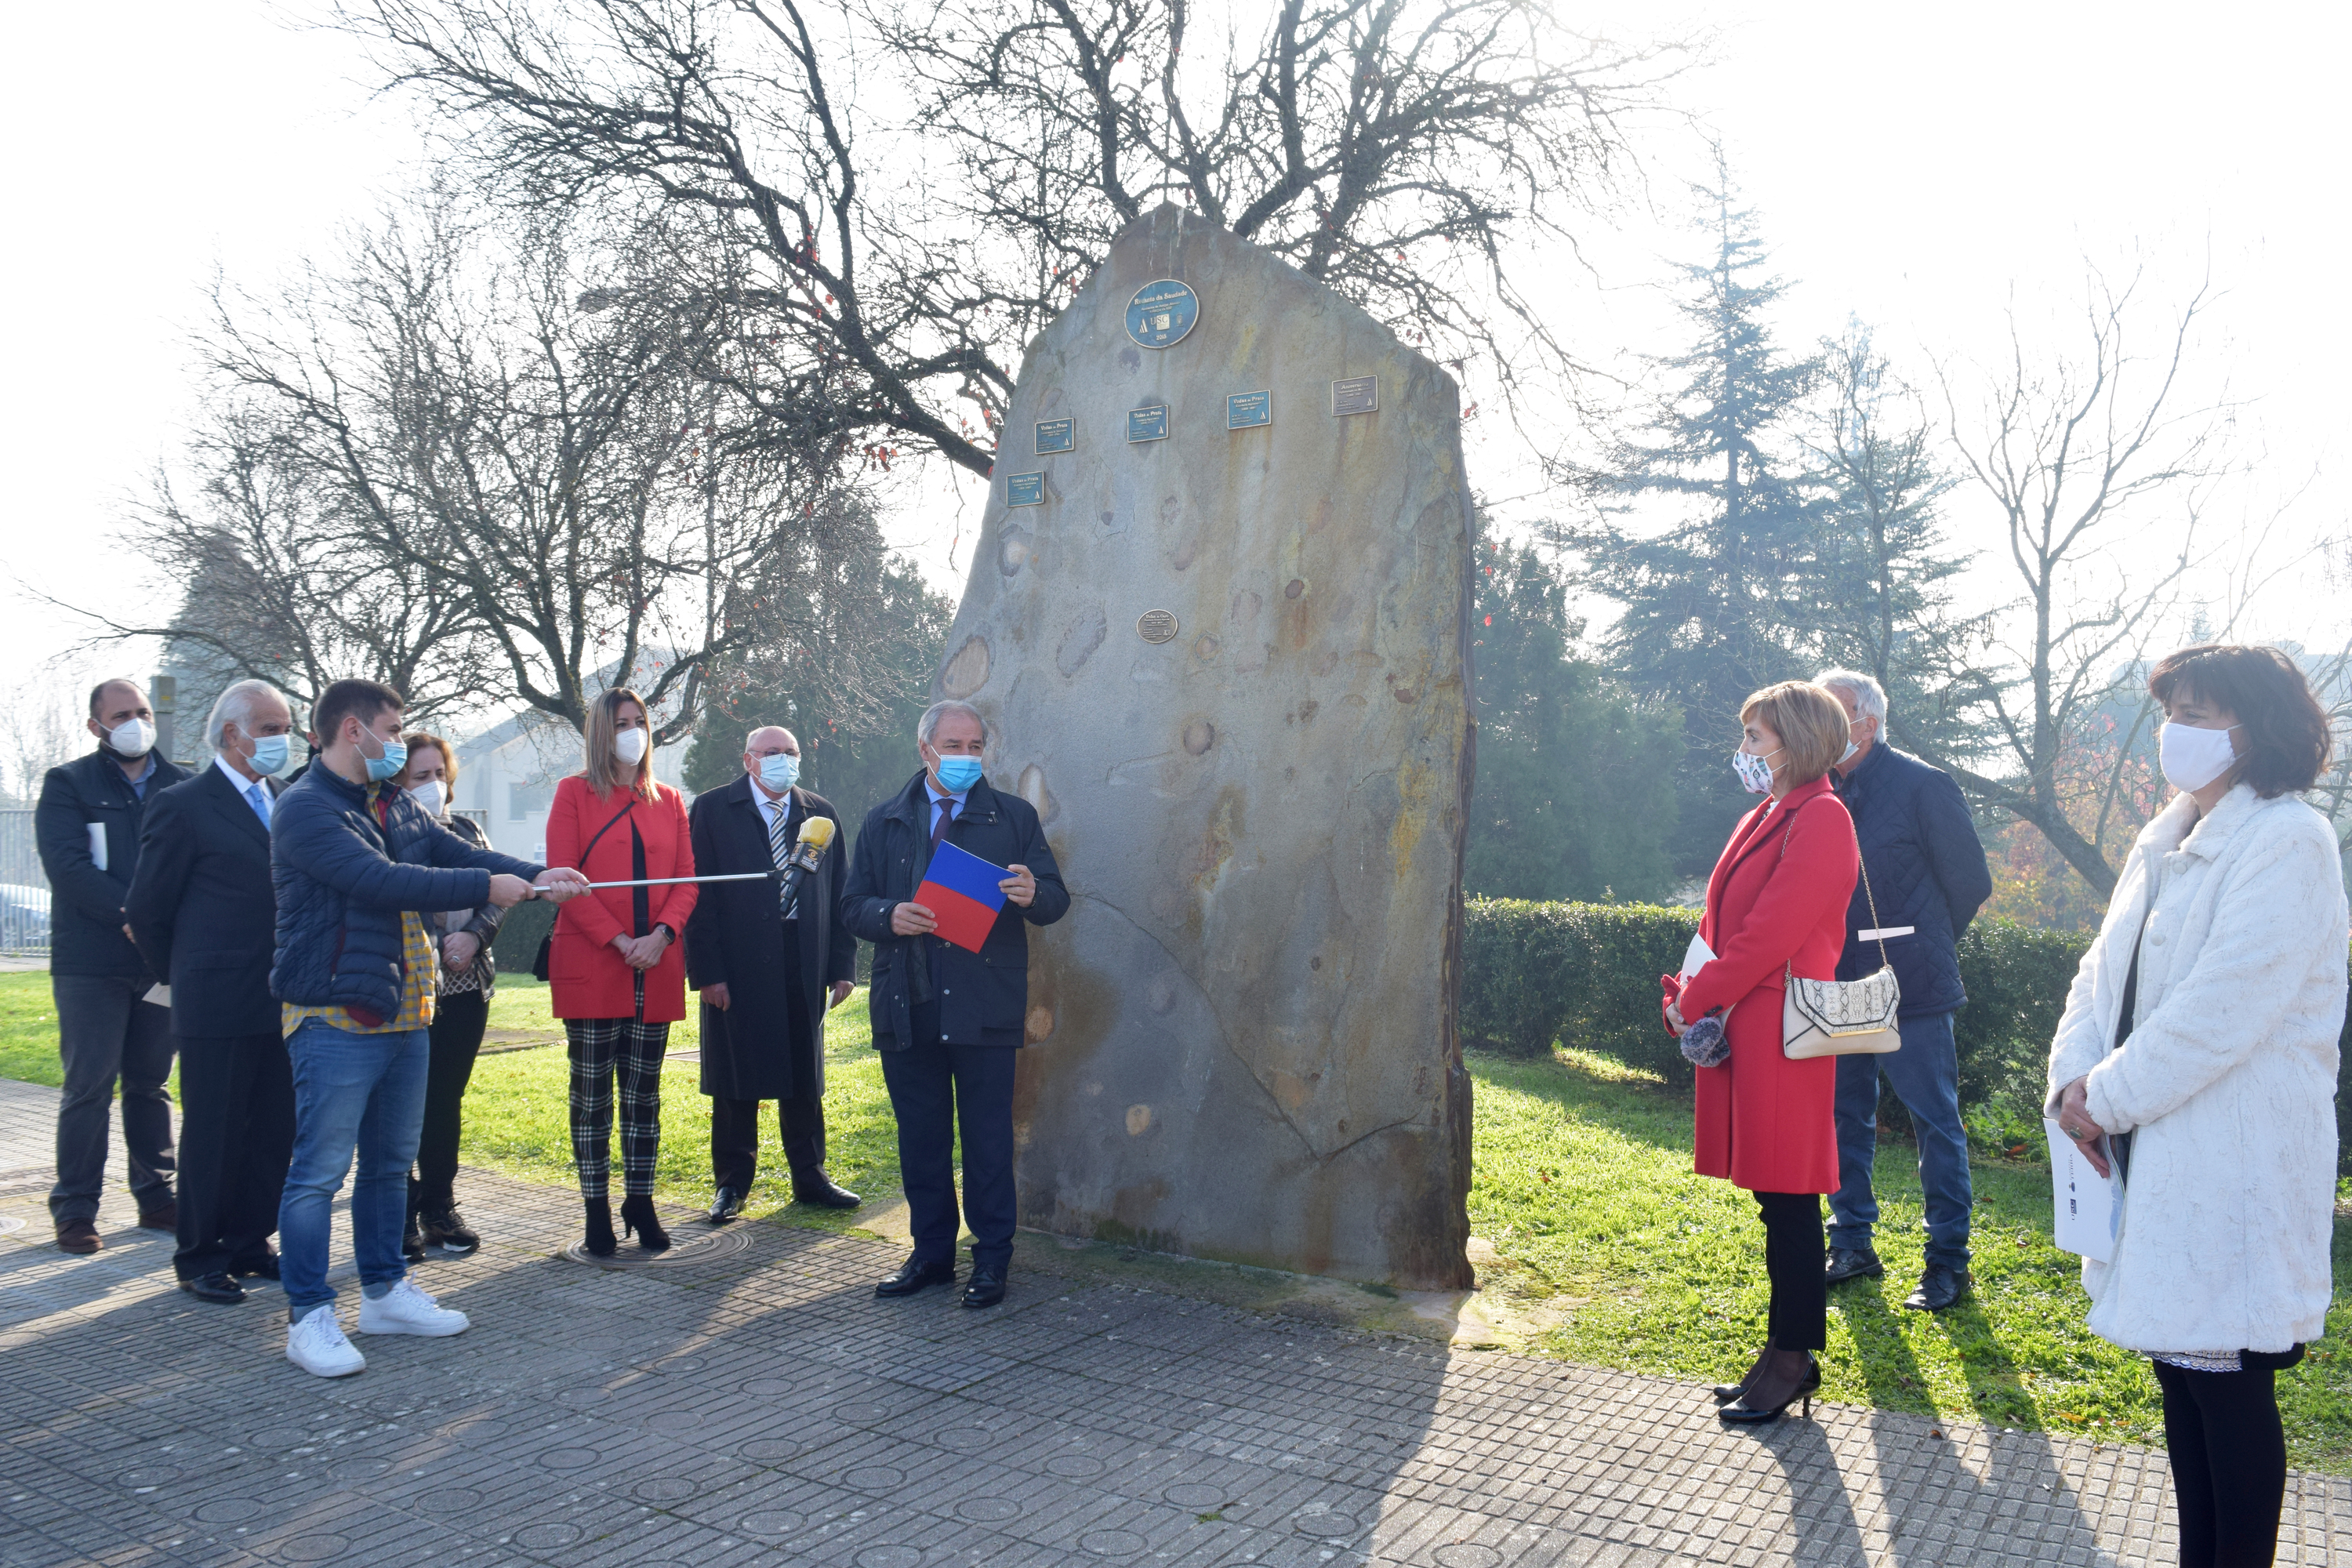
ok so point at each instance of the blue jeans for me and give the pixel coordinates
(1926, 1074)
(352, 1091)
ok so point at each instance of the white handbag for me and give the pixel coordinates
(1843, 1017)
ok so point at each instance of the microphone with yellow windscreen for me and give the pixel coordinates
(815, 838)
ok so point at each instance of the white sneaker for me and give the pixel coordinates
(317, 1345)
(405, 1309)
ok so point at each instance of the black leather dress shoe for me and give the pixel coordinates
(985, 1288)
(217, 1288)
(1850, 1263)
(819, 1189)
(1940, 1287)
(262, 1268)
(914, 1277)
(726, 1205)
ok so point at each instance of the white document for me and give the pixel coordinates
(159, 994)
(2085, 1200)
(1697, 954)
(98, 844)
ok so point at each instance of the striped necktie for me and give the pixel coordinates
(779, 845)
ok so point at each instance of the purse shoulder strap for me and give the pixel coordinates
(1876, 925)
(604, 830)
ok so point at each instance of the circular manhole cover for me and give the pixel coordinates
(1192, 1494)
(871, 1478)
(989, 1510)
(772, 1521)
(665, 1488)
(769, 1451)
(1112, 1543)
(547, 1537)
(312, 1548)
(685, 1247)
(859, 1414)
(227, 1510)
(9, 1222)
(1465, 1554)
(449, 1499)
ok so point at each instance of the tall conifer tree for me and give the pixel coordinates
(1719, 602)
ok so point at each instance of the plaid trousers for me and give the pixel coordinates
(599, 1048)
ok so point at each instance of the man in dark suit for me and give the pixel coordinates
(88, 823)
(203, 910)
(947, 1022)
(768, 973)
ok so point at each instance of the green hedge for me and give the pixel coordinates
(1587, 975)
(519, 934)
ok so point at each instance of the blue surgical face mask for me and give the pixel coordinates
(269, 755)
(958, 774)
(389, 765)
(779, 773)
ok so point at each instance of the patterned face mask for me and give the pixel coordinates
(1755, 772)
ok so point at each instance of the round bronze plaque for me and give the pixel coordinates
(1156, 626)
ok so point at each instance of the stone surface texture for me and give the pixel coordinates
(762, 1407)
(1244, 1042)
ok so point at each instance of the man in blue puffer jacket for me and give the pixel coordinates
(1928, 875)
(354, 861)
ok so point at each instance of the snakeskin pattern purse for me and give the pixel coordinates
(1843, 1017)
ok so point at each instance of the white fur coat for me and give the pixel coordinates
(2228, 1080)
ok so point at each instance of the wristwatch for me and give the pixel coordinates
(663, 927)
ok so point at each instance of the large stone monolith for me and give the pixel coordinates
(1230, 667)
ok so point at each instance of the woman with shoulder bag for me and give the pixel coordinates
(1775, 909)
(461, 1011)
(2195, 1061)
(617, 978)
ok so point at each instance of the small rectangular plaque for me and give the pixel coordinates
(1056, 436)
(1247, 410)
(1148, 424)
(1025, 489)
(1358, 394)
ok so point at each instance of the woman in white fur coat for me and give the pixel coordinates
(2217, 1096)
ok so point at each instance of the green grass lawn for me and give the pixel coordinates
(1603, 1237)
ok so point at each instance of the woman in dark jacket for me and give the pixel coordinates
(1775, 907)
(461, 1011)
(617, 978)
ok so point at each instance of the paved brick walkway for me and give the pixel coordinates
(756, 1404)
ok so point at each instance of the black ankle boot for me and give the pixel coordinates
(600, 1228)
(637, 1213)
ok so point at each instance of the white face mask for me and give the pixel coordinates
(131, 738)
(629, 746)
(2193, 758)
(431, 796)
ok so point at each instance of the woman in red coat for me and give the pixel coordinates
(1775, 906)
(613, 965)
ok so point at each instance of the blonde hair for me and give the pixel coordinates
(1811, 724)
(603, 769)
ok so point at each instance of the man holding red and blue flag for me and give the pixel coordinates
(949, 875)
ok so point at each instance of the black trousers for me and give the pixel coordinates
(1793, 1261)
(236, 1134)
(2228, 1450)
(458, 1020)
(735, 1139)
(937, 1088)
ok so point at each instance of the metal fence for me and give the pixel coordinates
(24, 889)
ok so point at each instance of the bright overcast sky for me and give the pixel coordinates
(1910, 164)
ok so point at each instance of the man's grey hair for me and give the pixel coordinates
(752, 734)
(938, 711)
(1869, 697)
(236, 707)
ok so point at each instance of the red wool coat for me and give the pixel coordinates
(584, 970)
(1767, 1123)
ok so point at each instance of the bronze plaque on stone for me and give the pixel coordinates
(1358, 394)
(1156, 626)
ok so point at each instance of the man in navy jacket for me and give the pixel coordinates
(355, 862)
(1928, 877)
(88, 825)
(948, 1023)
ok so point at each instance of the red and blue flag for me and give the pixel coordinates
(960, 888)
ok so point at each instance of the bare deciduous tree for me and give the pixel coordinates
(2081, 458)
(910, 238)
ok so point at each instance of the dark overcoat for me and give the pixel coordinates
(983, 997)
(1927, 870)
(202, 906)
(756, 1049)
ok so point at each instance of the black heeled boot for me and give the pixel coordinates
(600, 1241)
(637, 1213)
(1725, 1393)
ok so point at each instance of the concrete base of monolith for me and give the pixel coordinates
(1229, 669)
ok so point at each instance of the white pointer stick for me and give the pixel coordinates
(665, 881)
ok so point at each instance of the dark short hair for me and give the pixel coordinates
(347, 698)
(2285, 736)
(99, 691)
